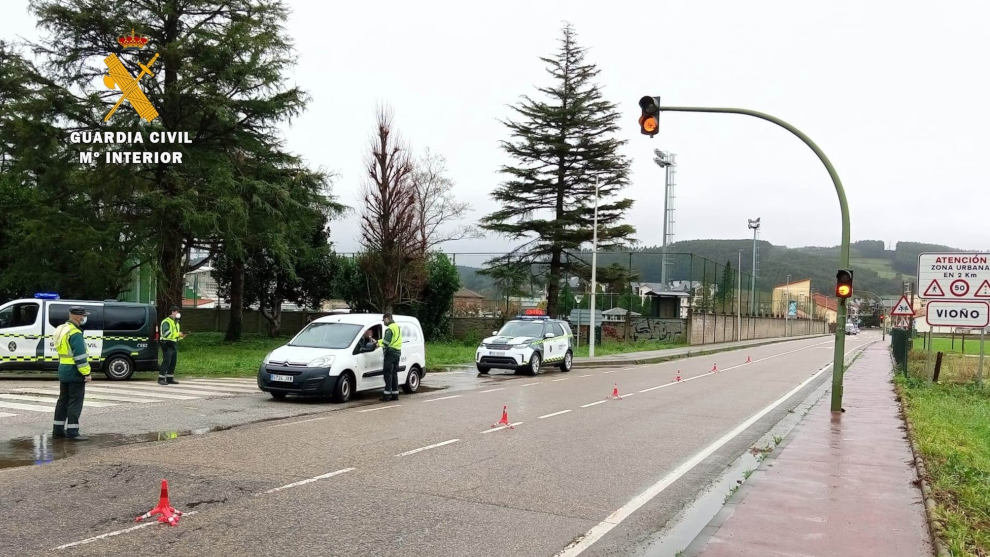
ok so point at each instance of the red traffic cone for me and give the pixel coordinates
(615, 392)
(748, 361)
(504, 421)
(164, 508)
(678, 378)
(714, 368)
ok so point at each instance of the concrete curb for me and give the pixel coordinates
(689, 354)
(926, 491)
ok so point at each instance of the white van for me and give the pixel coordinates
(325, 359)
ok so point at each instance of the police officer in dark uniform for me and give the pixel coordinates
(73, 374)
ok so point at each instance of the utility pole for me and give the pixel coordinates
(594, 269)
(787, 304)
(754, 225)
(739, 298)
(667, 161)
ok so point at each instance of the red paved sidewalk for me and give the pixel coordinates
(838, 487)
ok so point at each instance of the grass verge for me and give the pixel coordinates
(207, 355)
(951, 424)
(948, 345)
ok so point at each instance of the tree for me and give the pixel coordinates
(435, 301)
(220, 77)
(436, 207)
(561, 146)
(727, 287)
(509, 276)
(393, 259)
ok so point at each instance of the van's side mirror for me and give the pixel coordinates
(494, 333)
(548, 335)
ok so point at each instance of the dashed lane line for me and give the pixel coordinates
(114, 533)
(493, 390)
(306, 481)
(594, 403)
(553, 414)
(379, 408)
(428, 447)
(442, 398)
(499, 428)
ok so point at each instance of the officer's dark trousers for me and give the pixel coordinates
(68, 408)
(169, 356)
(391, 372)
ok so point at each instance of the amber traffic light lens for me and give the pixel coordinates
(649, 124)
(843, 290)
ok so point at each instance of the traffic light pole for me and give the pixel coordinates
(838, 356)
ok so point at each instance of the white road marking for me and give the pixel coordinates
(661, 386)
(627, 395)
(114, 391)
(612, 371)
(554, 414)
(442, 398)
(513, 424)
(28, 407)
(157, 389)
(611, 521)
(115, 533)
(5, 414)
(377, 408)
(594, 403)
(300, 421)
(91, 392)
(586, 375)
(306, 481)
(493, 390)
(86, 402)
(414, 451)
(529, 384)
(234, 388)
(562, 379)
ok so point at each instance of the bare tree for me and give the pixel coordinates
(435, 204)
(389, 220)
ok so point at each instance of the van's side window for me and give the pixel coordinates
(117, 318)
(409, 333)
(557, 330)
(376, 332)
(59, 313)
(19, 315)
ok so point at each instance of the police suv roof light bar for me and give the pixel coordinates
(46, 296)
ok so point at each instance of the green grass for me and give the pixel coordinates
(946, 345)
(449, 353)
(952, 428)
(610, 347)
(207, 355)
(883, 267)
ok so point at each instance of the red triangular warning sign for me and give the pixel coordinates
(934, 290)
(983, 291)
(902, 308)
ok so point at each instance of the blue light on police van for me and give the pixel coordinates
(46, 295)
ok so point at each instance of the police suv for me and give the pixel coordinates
(121, 337)
(525, 344)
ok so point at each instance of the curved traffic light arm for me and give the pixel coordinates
(838, 356)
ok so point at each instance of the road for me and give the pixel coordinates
(579, 473)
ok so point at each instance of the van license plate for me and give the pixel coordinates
(285, 378)
(498, 353)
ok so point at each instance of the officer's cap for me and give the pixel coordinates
(78, 310)
(173, 309)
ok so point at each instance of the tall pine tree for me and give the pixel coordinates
(560, 144)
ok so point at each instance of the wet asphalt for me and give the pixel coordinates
(424, 476)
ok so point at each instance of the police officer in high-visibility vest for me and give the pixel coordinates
(392, 343)
(73, 374)
(170, 334)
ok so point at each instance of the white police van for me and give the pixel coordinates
(326, 359)
(525, 344)
(121, 337)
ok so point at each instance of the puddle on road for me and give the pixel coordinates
(43, 449)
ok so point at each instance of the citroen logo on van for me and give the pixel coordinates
(12, 346)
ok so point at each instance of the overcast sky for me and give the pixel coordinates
(894, 92)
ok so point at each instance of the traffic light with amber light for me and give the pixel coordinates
(649, 122)
(844, 283)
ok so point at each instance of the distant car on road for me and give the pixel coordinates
(852, 329)
(328, 359)
(525, 344)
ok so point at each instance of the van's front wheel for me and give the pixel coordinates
(118, 368)
(344, 388)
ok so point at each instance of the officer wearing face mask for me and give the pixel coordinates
(73, 374)
(170, 335)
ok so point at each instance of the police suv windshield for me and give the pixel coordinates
(522, 329)
(326, 335)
